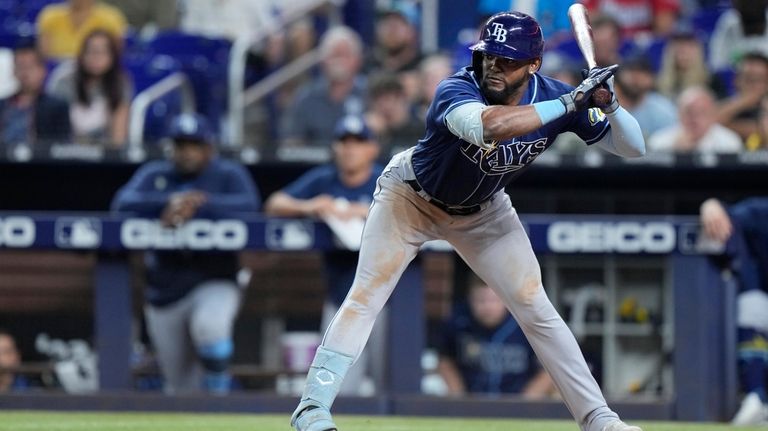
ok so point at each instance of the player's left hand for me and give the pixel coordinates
(580, 98)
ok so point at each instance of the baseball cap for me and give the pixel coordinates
(190, 127)
(352, 126)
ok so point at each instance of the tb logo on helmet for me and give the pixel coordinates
(499, 32)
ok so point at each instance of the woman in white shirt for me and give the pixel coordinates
(99, 93)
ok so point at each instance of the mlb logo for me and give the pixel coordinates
(78, 232)
(289, 235)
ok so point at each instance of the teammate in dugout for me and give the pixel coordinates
(487, 123)
(741, 227)
(192, 296)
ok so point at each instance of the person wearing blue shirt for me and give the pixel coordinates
(484, 351)
(485, 126)
(742, 228)
(192, 296)
(342, 189)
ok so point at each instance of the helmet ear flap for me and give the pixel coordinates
(477, 64)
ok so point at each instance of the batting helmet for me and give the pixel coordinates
(190, 127)
(513, 35)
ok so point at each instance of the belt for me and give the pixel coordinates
(448, 209)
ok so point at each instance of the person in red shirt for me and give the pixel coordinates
(639, 16)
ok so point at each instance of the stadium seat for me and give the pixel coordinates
(705, 19)
(145, 70)
(205, 61)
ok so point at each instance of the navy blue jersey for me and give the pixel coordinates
(340, 265)
(497, 360)
(231, 193)
(457, 172)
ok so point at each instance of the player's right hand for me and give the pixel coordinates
(580, 98)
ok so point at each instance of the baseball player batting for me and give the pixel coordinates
(487, 123)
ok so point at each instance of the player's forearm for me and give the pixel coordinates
(540, 386)
(148, 204)
(283, 205)
(480, 124)
(450, 374)
(506, 122)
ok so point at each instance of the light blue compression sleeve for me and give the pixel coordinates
(625, 137)
(549, 110)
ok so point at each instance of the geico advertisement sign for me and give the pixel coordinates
(602, 237)
(17, 232)
(194, 235)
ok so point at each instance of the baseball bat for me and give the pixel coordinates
(582, 31)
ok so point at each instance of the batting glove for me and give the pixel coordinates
(580, 98)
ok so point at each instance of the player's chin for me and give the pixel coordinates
(493, 96)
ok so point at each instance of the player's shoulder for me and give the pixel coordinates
(550, 88)
(154, 167)
(463, 79)
(322, 173)
(378, 168)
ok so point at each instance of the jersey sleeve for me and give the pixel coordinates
(140, 195)
(590, 125)
(308, 185)
(452, 93)
(749, 214)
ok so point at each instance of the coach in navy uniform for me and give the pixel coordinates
(192, 296)
(486, 125)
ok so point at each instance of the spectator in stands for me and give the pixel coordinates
(483, 350)
(10, 358)
(233, 19)
(30, 116)
(396, 48)
(99, 93)
(144, 15)
(698, 131)
(758, 141)
(192, 296)
(342, 190)
(635, 89)
(432, 70)
(639, 17)
(391, 115)
(606, 34)
(338, 91)
(62, 27)
(742, 226)
(739, 112)
(682, 65)
(738, 31)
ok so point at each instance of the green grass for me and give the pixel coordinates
(49, 421)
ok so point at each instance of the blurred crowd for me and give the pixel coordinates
(693, 72)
